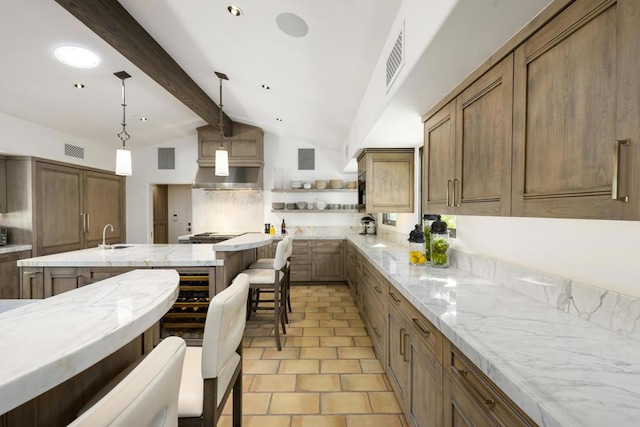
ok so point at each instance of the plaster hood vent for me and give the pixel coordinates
(240, 178)
(395, 60)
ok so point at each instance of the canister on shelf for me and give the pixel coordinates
(416, 247)
(427, 220)
(439, 244)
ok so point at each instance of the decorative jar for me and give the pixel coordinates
(417, 254)
(440, 247)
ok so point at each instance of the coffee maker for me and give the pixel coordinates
(368, 225)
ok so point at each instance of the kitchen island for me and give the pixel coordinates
(58, 352)
(204, 269)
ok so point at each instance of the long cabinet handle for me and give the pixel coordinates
(456, 192)
(86, 230)
(405, 354)
(402, 334)
(488, 402)
(420, 327)
(83, 222)
(617, 176)
(448, 191)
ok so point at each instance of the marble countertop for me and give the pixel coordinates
(245, 241)
(134, 255)
(10, 304)
(560, 369)
(7, 249)
(45, 343)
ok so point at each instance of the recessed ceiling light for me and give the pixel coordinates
(75, 56)
(292, 25)
(143, 119)
(278, 119)
(234, 10)
(78, 86)
(266, 87)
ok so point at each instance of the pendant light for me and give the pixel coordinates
(222, 156)
(123, 156)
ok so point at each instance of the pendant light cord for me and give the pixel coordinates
(221, 122)
(123, 135)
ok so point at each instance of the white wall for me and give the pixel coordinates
(23, 138)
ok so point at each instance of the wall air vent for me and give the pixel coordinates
(306, 159)
(73, 151)
(166, 158)
(395, 60)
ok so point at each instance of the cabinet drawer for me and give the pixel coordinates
(377, 285)
(327, 244)
(424, 329)
(301, 272)
(484, 393)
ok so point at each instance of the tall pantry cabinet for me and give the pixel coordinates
(57, 207)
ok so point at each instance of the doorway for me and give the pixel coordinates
(171, 212)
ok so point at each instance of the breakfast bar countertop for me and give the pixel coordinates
(131, 255)
(49, 341)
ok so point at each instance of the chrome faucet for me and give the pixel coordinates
(104, 241)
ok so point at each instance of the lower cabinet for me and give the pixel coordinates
(413, 363)
(317, 261)
(10, 274)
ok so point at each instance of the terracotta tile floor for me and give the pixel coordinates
(326, 374)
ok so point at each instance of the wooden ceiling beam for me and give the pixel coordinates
(111, 21)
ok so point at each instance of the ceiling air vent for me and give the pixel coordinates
(166, 158)
(395, 60)
(73, 151)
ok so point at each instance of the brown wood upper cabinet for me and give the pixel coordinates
(245, 147)
(467, 154)
(73, 205)
(577, 114)
(387, 176)
(3, 185)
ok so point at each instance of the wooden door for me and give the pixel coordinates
(482, 184)
(439, 159)
(10, 274)
(58, 207)
(103, 204)
(425, 401)
(573, 86)
(160, 214)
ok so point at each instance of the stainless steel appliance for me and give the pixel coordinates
(369, 225)
(3, 236)
(213, 237)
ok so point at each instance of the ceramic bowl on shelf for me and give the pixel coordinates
(301, 205)
(291, 206)
(307, 185)
(296, 184)
(321, 205)
(276, 206)
(334, 206)
(336, 184)
(351, 184)
(310, 206)
(321, 184)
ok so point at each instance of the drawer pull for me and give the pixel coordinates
(395, 298)
(421, 328)
(377, 332)
(377, 289)
(617, 177)
(487, 402)
(401, 341)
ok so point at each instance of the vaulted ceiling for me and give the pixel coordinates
(316, 82)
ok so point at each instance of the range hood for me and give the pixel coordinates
(240, 178)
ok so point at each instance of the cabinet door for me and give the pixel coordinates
(397, 356)
(103, 204)
(10, 274)
(459, 409)
(327, 261)
(482, 184)
(439, 160)
(573, 82)
(62, 279)
(300, 261)
(32, 284)
(3, 185)
(390, 182)
(58, 206)
(425, 401)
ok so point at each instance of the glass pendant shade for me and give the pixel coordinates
(222, 162)
(123, 162)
